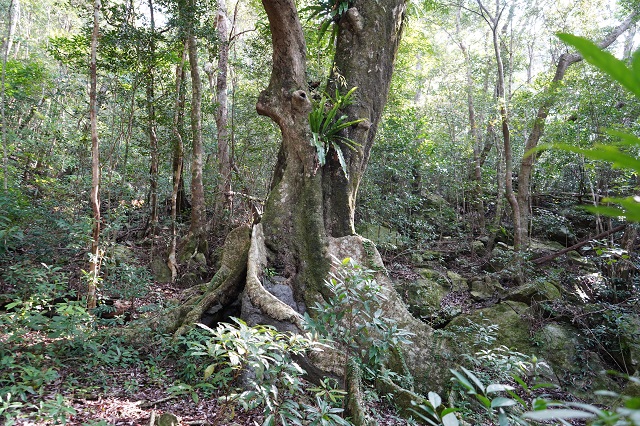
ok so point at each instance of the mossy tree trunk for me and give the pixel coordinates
(309, 214)
(306, 203)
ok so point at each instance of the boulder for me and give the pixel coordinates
(486, 288)
(580, 370)
(457, 282)
(424, 295)
(478, 248)
(159, 270)
(512, 332)
(534, 291)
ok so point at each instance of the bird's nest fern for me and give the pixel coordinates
(327, 125)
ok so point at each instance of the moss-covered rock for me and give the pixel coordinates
(513, 329)
(458, 283)
(159, 270)
(486, 288)
(423, 296)
(534, 291)
(577, 369)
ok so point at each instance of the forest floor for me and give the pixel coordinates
(123, 385)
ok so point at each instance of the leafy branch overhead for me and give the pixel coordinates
(327, 125)
(622, 154)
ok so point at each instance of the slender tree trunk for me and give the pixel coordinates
(94, 264)
(178, 153)
(153, 138)
(14, 7)
(476, 141)
(196, 240)
(224, 199)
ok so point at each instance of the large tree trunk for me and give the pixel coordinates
(309, 214)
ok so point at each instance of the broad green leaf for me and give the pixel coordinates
(463, 381)
(502, 402)
(473, 377)
(484, 400)
(209, 371)
(496, 387)
(450, 420)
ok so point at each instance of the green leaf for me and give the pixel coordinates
(463, 381)
(450, 420)
(484, 400)
(502, 402)
(473, 377)
(496, 387)
(341, 159)
(209, 371)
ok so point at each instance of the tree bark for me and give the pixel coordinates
(308, 214)
(14, 8)
(369, 34)
(196, 237)
(94, 263)
(153, 137)
(224, 198)
(178, 154)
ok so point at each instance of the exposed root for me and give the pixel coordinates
(425, 355)
(226, 285)
(266, 302)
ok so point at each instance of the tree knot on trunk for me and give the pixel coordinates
(355, 20)
(300, 101)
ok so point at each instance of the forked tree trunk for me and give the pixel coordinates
(309, 214)
(94, 263)
(299, 231)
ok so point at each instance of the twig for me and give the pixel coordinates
(149, 404)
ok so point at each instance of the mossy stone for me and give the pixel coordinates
(534, 291)
(159, 270)
(458, 283)
(513, 330)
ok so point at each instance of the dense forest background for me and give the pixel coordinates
(132, 151)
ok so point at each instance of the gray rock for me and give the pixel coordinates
(159, 270)
(534, 291)
(458, 283)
